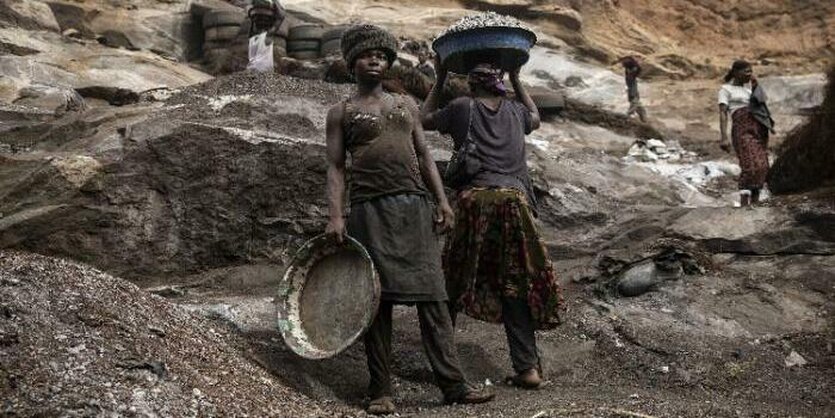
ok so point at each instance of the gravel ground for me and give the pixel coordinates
(263, 84)
(78, 342)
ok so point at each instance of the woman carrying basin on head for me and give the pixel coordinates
(496, 266)
(744, 100)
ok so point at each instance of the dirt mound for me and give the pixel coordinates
(806, 157)
(75, 341)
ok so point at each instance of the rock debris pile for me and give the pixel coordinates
(655, 149)
(76, 341)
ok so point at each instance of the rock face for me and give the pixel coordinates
(69, 45)
(805, 160)
(176, 191)
(28, 15)
(692, 36)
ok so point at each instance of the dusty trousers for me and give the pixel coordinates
(519, 327)
(520, 330)
(438, 344)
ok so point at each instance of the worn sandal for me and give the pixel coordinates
(381, 406)
(471, 396)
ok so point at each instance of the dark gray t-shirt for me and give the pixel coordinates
(499, 137)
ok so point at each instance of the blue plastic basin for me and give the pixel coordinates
(507, 48)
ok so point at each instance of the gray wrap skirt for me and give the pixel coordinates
(398, 232)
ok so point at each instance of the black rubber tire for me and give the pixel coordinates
(331, 47)
(221, 33)
(216, 18)
(304, 55)
(239, 44)
(279, 41)
(218, 44)
(279, 46)
(306, 32)
(334, 32)
(549, 101)
(294, 46)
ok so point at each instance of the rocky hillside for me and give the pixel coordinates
(118, 151)
(161, 188)
(676, 38)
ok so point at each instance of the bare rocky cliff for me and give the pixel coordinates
(683, 38)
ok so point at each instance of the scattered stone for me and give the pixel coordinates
(156, 367)
(484, 20)
(57, 99)
(656, 145)
(115, 39)
(168, 291)
(794, 359)
(8, 338)
(638, 280)
(71, 33)
(574, 81)
(159, 332)
(113, 95)
(652, 150)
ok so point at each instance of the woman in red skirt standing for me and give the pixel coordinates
(744, 100)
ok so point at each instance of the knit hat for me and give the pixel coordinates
(359, 39)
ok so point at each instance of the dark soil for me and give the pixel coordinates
(595, 367)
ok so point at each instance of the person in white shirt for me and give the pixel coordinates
(749, 133)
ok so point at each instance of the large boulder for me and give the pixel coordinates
(208, 179)
(805, 158)
(28, 14)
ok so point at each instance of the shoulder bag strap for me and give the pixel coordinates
(469, 138)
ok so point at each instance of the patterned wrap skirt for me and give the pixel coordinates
(750, 141)
(495, 252)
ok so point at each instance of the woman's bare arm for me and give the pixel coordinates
(336, 172)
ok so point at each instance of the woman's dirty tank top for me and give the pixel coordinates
(383, 157)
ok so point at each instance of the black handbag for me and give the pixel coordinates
(464, 164)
